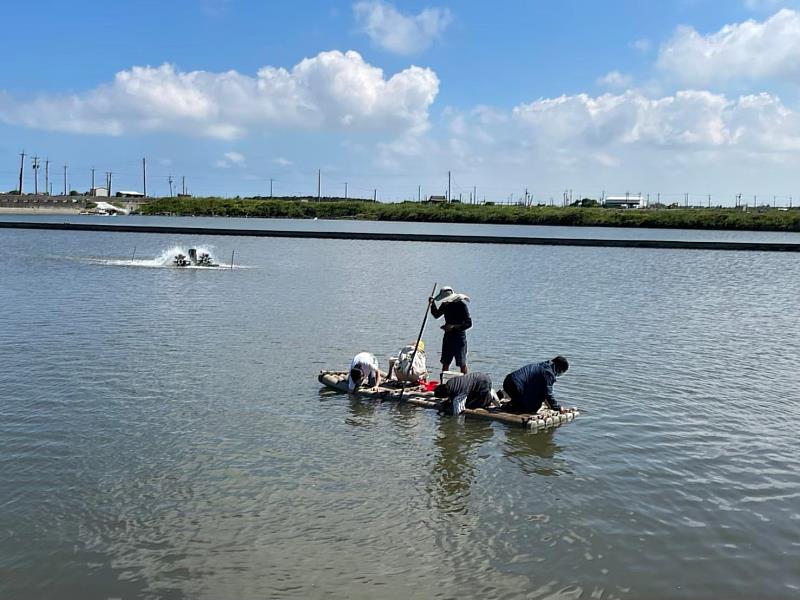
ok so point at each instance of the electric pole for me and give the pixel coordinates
(144, 176)
(345, 190)
(47, 176)
(419, 193)
(475, 194)
(183, 182)
(94, 192)
(35, 166)
(375, 195)
(169, 179)
(319, 184)
(448, 186)
(21, 170)
(65, 180)
(270, 187)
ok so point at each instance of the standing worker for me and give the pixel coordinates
(456, 322)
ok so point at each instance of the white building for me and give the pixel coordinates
(99, 191)
(626, 201)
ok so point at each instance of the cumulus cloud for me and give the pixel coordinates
(642, 45)
(331, 91)
(391, 30)
(687, 119)
(613, 131)
(750, 50)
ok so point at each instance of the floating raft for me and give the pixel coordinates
(416, 395)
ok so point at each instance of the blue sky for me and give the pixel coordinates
(665, 97)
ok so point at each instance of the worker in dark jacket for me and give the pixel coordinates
(528, 387)
(456, 322)
(473, 390)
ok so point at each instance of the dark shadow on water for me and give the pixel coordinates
(533, 453)
(454, 468)
(360, 410)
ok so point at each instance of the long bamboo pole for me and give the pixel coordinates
(419, 337)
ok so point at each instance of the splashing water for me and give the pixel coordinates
(166, 259)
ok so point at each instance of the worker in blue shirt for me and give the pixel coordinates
(529, 387)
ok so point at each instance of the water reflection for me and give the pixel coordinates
(454, 470)
(532, 452)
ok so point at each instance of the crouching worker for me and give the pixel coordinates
(527, 388)
(411, 366)
(473, 390)
(364, 372)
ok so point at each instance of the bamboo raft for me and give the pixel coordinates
(416, 395)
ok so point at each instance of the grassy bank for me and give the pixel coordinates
(765, 219)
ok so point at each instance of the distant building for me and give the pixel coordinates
(626, 201)
(437, 199)
(99, 191)
(129, 194)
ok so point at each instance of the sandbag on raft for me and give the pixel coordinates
(418, 396)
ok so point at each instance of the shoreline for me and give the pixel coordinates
(412, 237)
(46, 210)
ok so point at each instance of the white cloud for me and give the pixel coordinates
(230, 159)
(751, 50)
(331, 91)
(402, 34)
(686, 119)
(642, 45)
(629, 136)
(615, 80)
(691, 140)
(283, 162)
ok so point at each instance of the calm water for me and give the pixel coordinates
(163, 435)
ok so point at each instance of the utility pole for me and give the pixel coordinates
(35, 165)
(93, 186)
(183, 184)
(21, 170)
(65, 180)
(419, 193)
(144, 176)
(709, 201)
(345, 190)
(375, 195)
(47, 176)
(475, 193)
(110, 182)
(169, 180)
(448, 186)
(686, 195)
(270, 187)
(319, 185)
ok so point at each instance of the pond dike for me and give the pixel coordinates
(412, 237)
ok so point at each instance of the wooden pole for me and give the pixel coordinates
(419, 337)
(232, 253)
